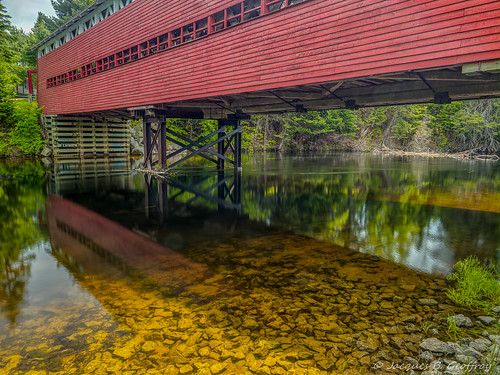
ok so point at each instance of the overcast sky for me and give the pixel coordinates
(23, 13)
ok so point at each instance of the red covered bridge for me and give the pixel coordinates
(215, 58)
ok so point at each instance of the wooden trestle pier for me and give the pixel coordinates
(156, 134)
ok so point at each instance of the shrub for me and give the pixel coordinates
(26, 135)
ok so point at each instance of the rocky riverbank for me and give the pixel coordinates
(476, 352)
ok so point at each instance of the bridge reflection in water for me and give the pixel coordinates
(133, 241)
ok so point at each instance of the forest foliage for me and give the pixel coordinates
(455, 127)
(449, 128)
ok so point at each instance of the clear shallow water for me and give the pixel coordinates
(101, 274)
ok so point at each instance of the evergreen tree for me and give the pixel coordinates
(8, 58)
(66, 9)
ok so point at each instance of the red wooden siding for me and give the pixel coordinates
(310, 42)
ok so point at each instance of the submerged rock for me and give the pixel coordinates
(427, 356)
(370, 345)
(437, 346)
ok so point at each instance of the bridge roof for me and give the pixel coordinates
(71, 22)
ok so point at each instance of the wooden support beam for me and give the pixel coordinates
(204, 148)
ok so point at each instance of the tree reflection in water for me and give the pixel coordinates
(421, 212)
(21, 197)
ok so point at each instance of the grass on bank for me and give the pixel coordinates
(475, 285)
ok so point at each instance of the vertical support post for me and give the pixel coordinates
(162, 145)
(263, 7)
(237, 146)
(147, 143)
(220, 146)
(210, 26)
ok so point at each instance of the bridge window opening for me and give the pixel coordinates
(176, 37)
(134, 53)
(219, 21)
(187, 33)
(126, 55)
(74, 33)
(99, 66)
(251, 9)
(88, 69)
(163, 42)
(201, 27)
(144, 49)
(87, 25)
(153, 45)
(276, 4)
(233, 15)
(52, 46)
(119, 58)
(62, 40)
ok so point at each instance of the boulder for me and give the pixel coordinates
(46, 152)
(480, 344)
(486, 320)
(461, 320)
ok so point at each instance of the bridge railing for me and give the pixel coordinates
(233, 15)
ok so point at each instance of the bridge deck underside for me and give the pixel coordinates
(414, 87)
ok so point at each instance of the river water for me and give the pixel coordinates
(304, 264)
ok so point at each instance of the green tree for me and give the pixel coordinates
(66, 9)
(44, 26)
(407, 120)
(8, 57)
